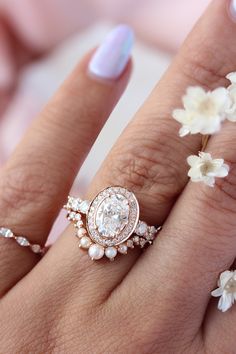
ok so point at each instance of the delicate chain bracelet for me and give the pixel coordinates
(22, 241)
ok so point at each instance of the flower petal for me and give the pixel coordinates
(195, 174)
(217, 292)
(192, 160)
(225, 302)
(232, 77)
(180, 115)
(232, 116)
(221, 98)
(223, 171)
(184, 131)
(194, 95)
(205, 156)
(211, 125)
(225, 277)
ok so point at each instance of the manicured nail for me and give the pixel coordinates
(232, 9)
(111, 58)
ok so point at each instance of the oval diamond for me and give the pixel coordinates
(112, 216)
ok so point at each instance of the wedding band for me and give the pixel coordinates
(109, 224)
(21, 241)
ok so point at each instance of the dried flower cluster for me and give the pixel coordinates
(204, 112)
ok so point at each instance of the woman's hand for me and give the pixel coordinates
(157, 302)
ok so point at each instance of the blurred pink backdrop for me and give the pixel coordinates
(32, 29)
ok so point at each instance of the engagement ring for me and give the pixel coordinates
(109, 224)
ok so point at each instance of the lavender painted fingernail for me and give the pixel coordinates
(111, 58)
(232, 9)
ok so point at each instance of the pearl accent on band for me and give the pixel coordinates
(81, 232)
(96, 251)
(111, 252)
(123, 248)
(85, 242)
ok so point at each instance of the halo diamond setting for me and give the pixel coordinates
(111, 223)
(113, 216)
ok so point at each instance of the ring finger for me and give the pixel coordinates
(150, 158)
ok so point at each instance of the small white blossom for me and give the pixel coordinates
(226, 290)
(205, 169)
(203, 110)
(231, 110)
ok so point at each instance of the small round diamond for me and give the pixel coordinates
(71, 215)
(136, 240)
(142, 242)
(141, 228)
(130, 243)
(75, 204)
(77, 217)
(84, 206)
(79, 223)
(150, 237)
(153, 230)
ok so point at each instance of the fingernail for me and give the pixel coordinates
(232, 9)
(111, 58)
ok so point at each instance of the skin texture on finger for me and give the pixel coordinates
(150, 157)
(161, 294)
(161, 173)
(198, 239)
(47, 301)
(36, 180)
(219, 329)
(220, 240)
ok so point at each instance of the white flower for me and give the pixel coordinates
(231, 110)
(226, 290)
(205, 169)
(203, 111)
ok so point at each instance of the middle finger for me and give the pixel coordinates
(150, 158)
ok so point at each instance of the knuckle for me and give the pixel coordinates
(204, 67)
(24, 187)
(147, 167)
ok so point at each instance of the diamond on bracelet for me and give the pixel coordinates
(4, 232)
(21, 241)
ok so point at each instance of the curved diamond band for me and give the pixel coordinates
(109, 224)
(22, 241)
